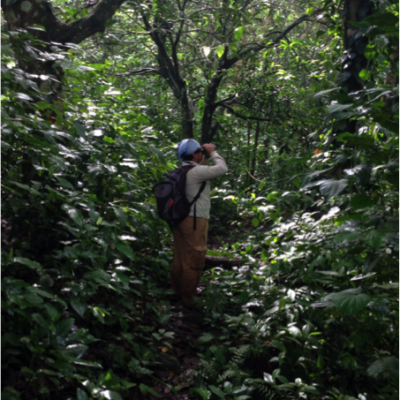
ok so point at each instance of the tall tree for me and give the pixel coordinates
(210, 38)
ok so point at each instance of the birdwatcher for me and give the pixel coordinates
(190, 235)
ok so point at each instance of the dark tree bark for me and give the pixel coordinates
(225, 64)
(254, 161)
(24, 14)
(353, 60)
(392, 78)
(169, 68)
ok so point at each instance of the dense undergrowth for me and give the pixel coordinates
(312, 310)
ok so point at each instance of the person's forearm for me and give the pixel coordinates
(203, 173)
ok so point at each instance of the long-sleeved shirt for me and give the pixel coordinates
(199, 174)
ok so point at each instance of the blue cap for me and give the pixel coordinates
(187, 147)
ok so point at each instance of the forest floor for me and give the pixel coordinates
(179, 363)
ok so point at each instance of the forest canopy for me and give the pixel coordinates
(299, 299)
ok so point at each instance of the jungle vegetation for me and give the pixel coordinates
(300, 98)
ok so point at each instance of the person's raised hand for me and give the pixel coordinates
(209, 148)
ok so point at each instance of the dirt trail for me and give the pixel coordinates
(179, 363)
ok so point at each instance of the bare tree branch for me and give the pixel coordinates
(169, 70)
(94, 22)
(245, 117)
(143, 71)
(56, 30)
(283, 34)
(228, 99)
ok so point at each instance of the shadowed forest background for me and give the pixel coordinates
(300, 98)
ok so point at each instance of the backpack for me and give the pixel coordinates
(172, 204)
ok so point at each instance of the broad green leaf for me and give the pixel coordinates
(350, 301)
(87, 363)
(121, 216)
(52, 311)
(4, 145)
(294, 330)
(382, 19)
(207, 337)
(324, 92)
(74, 214)
(33, 299)
(98, 275)
(10, 393)
(238, 34)
(64, 327)
(111, 395)
(40, 320)
(65, 183)
(220, 51)
(76, 350)
(268, 378)
(374, 238)
(347, 236)
(205, 394)
(125, 249)
(255, 222)
(217, 391)
(81, 395)
(123, 278)
(272, 197)
(364, 74)
(332, 188)
(79, 306)
(279, 345)
(23, 96)
(27, 262)
(338, 107)
(320, 362)
(146, 389)
(388, 364)
(99, 313)
(356, 140)
(79, 128)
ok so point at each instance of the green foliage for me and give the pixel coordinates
(310, 205)
(78, 224)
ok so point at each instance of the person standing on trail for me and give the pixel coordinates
(190, 237)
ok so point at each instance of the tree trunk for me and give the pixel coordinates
(354, 60)
(392, 78)
(210, 97)
(187, 114)
(248, 145)
(254, 160)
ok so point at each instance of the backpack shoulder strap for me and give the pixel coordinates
(203, 185)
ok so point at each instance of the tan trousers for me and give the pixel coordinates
(190, 248)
